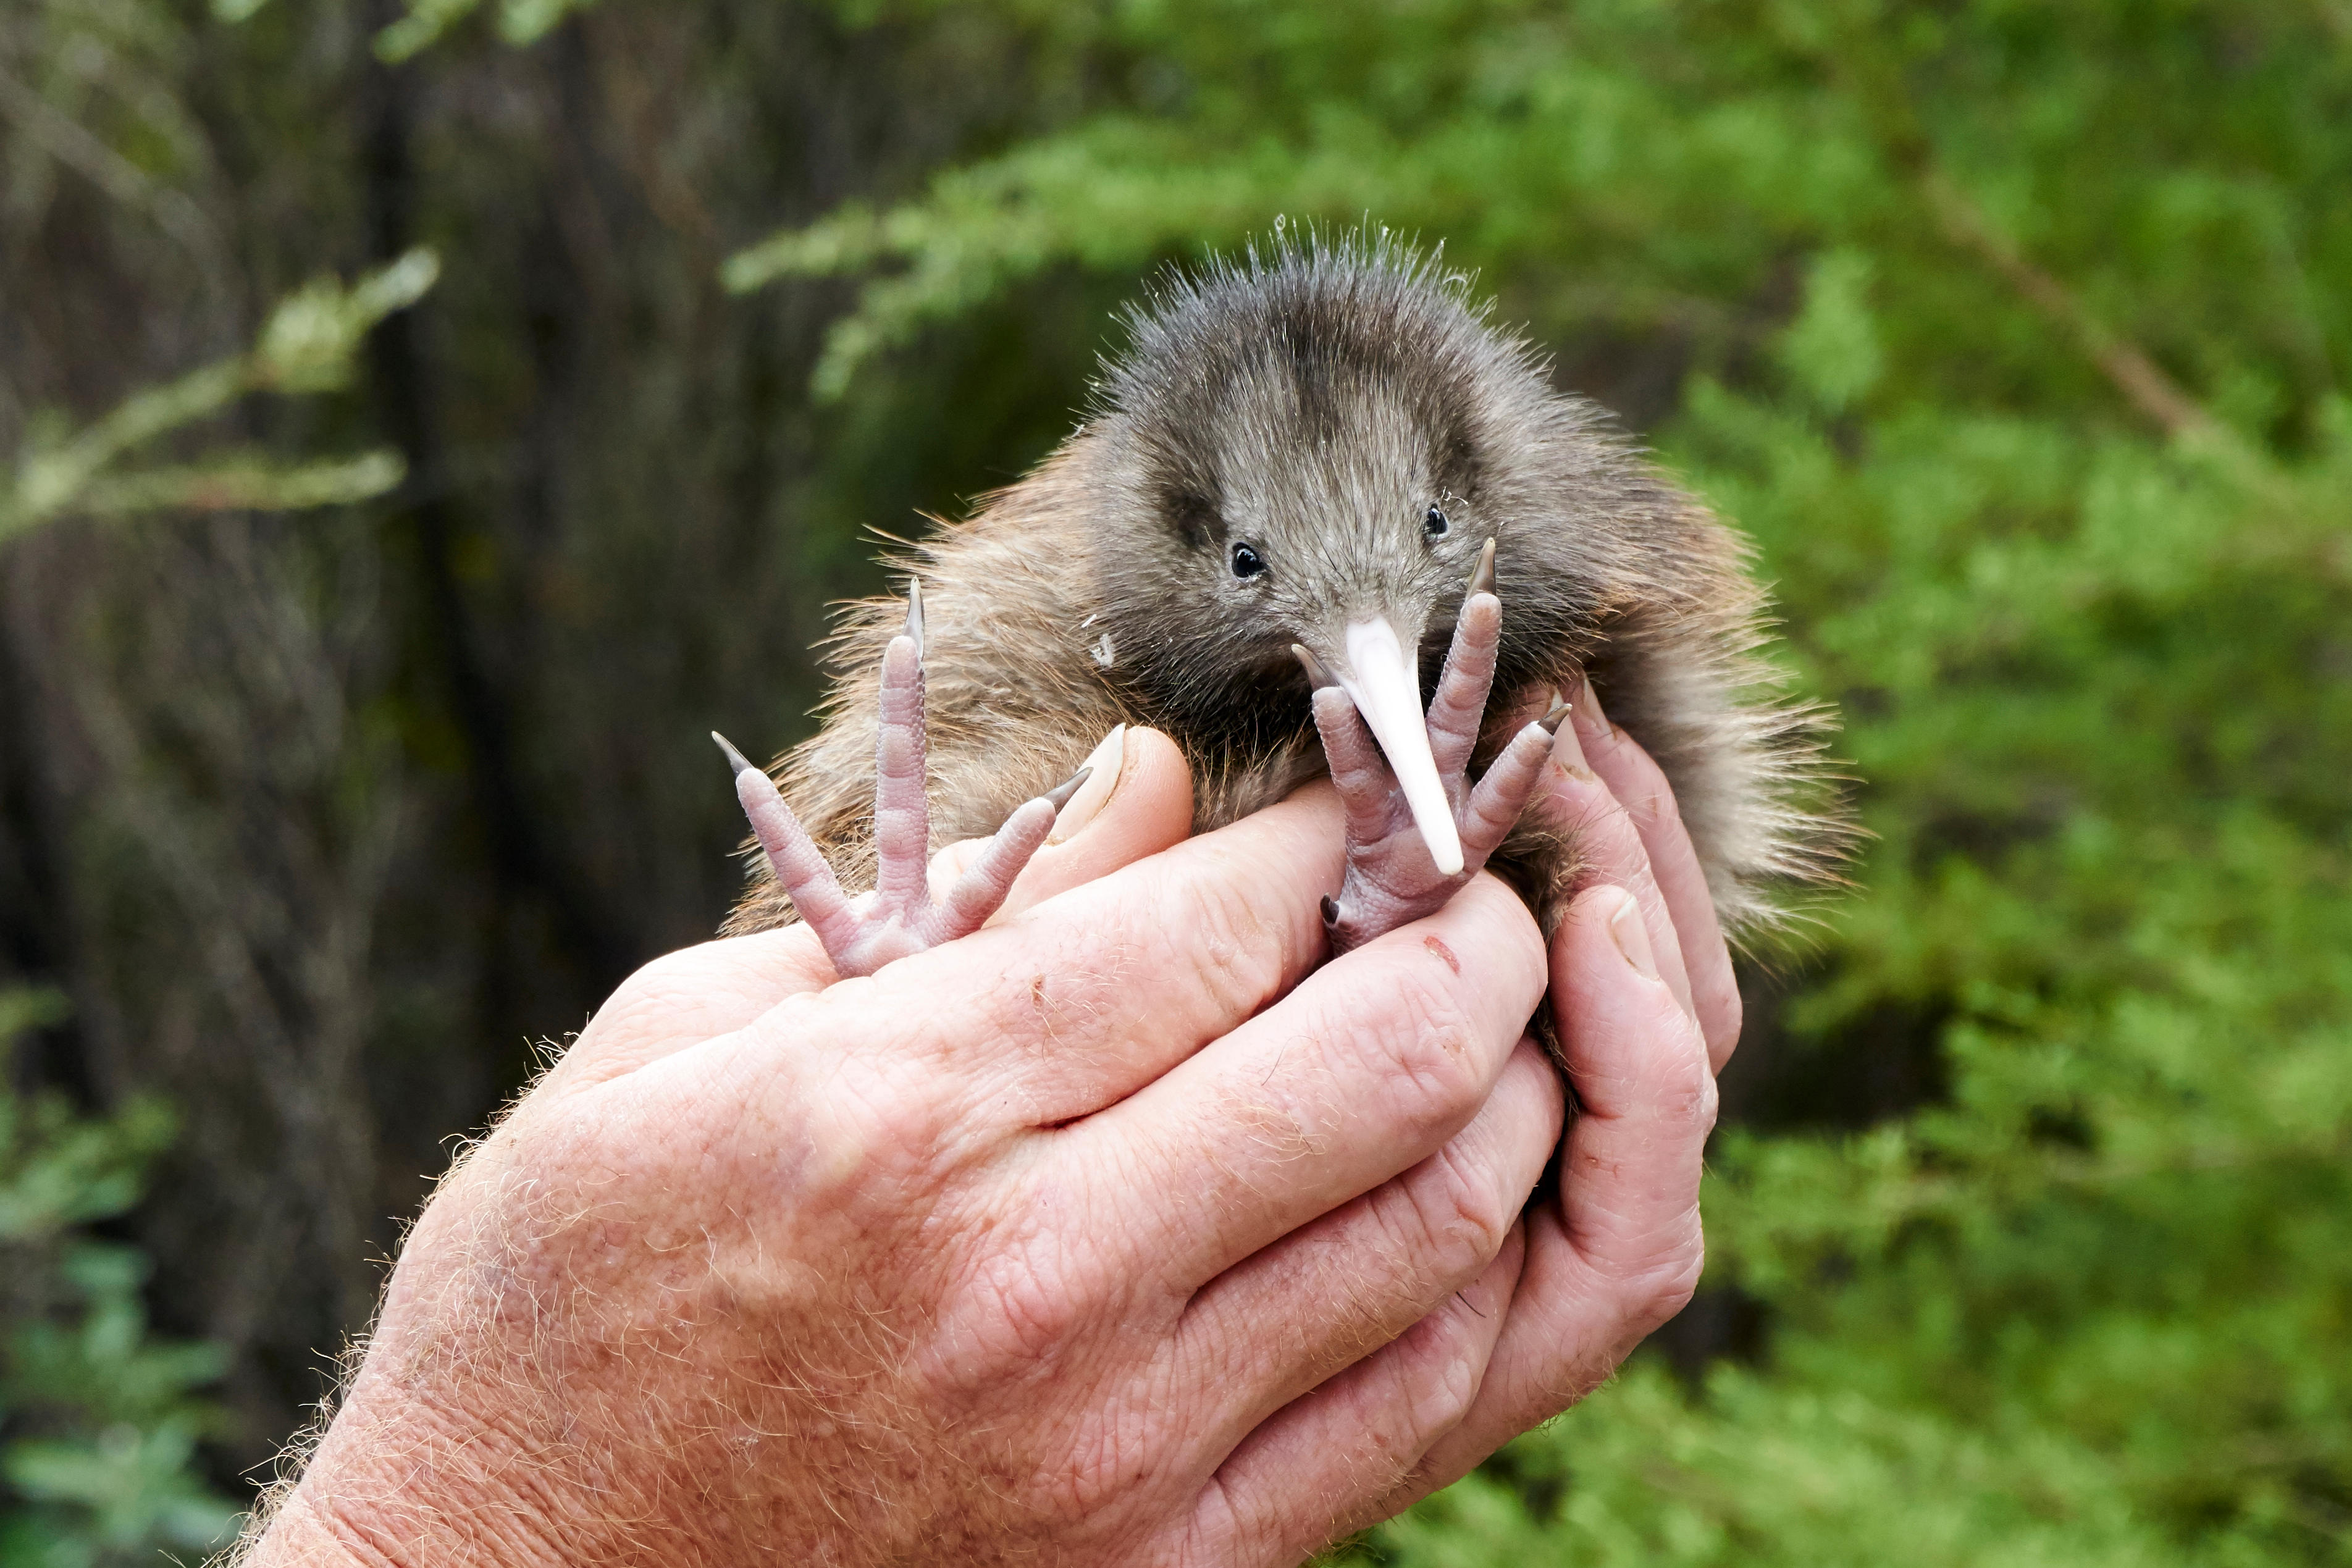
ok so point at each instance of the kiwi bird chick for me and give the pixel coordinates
(1316, 491)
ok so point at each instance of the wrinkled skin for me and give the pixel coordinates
(1119, 1232)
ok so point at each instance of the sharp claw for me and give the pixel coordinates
(1330, 910)
(797, 865)
(1317, 676)
(1059, 795)
(1549, 723)
(1499, 798)
(1482, 580)
(735, 759)
(915, 612)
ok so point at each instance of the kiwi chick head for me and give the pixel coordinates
(1313, 447)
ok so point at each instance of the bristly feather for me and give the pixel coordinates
(1314, 398)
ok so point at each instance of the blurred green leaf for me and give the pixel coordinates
(306, 346)
(99, 1419)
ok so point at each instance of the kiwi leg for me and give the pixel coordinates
(799, 865)
(1390, 877)
(898, 918)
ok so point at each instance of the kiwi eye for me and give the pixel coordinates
(1247, 562)
(1434, 523)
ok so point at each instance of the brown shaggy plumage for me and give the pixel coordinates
(1316, 400)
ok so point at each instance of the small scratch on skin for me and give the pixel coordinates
(1444, 952)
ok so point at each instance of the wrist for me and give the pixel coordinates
(395, 1484)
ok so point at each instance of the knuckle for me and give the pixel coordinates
(1443, 1381)
(1652, 1277)
(1724, 1024)
(1695, 1100)
(1652, 1295)
(1423, 1047)
(653, 985)
(1022, 1308)
(1461, 1218)
(1223, 944)
(1649, 800)
(1115, 1454)
(1214, 1535)
(1678, 1092)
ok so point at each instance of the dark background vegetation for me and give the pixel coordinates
(357, 638)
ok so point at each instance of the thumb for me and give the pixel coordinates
(1147, 807)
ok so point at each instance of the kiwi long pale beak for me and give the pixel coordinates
(1384, 680)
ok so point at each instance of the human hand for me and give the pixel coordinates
(1111, 1231)
(1648, 1011)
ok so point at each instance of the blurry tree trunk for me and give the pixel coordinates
(322, 820)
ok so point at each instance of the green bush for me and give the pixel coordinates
(99, 1420)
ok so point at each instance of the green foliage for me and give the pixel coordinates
(2013, 332)
(306, 347)
(98, 1419)
(428, 21)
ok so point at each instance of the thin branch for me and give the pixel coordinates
(2139, 378)
(72, 144)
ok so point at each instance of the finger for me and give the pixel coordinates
(695, 994)
(1641, 786)
(1646, 1090)
(1329, 1465)
(1287, 1318)
(1571, 798)
(1085, 998)
(1147, 808)
(1364, 1071)
(1618, 1252)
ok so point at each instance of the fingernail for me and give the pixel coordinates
(1566, 750)
(1586, 701)
(1631, 936)
(1108, 760)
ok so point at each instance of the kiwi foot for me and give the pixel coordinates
(1391, 877)
(861, 933)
